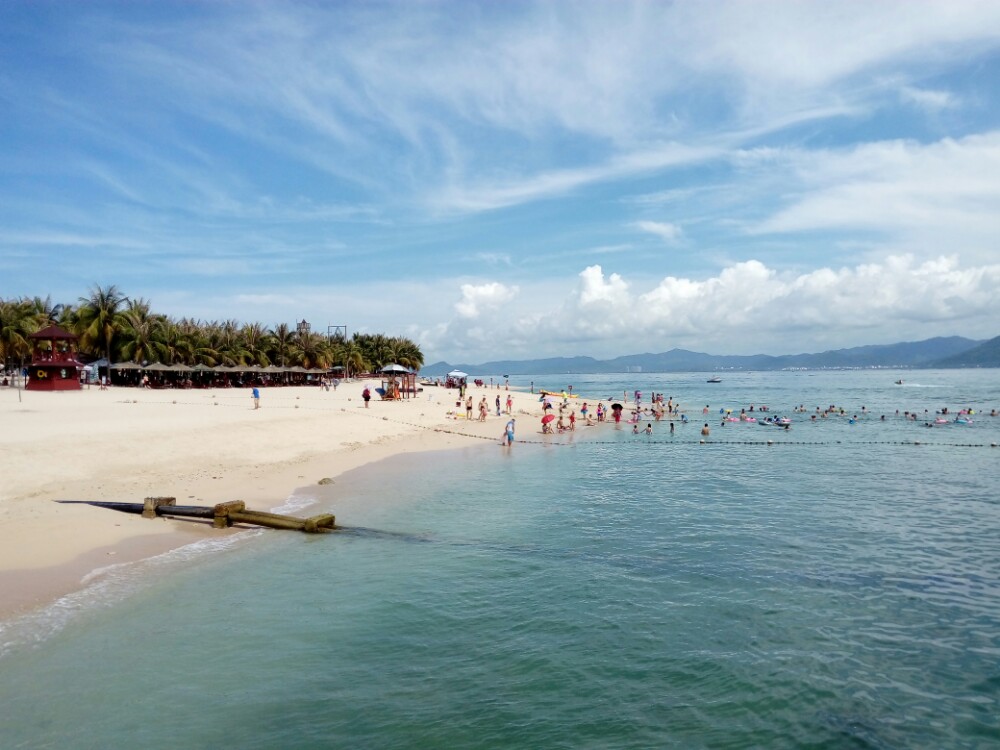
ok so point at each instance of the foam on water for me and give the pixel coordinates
(105, 587)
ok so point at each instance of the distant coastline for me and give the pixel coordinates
(940, 352)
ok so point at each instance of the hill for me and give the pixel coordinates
(935, 352)
(986, 354)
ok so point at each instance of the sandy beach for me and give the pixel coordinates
(200, 446)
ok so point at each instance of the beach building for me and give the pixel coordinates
(54, 366)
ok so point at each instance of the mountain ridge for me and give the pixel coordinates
(940, 351)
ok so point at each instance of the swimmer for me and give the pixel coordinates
(705, 431)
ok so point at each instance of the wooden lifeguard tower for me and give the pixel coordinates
(54, 366)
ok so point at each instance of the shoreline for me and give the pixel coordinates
(200, 446)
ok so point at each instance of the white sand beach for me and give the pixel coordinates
(200, 446)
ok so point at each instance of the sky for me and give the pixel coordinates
(512, 180)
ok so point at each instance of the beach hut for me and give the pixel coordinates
(54, 366)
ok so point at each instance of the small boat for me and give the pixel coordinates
(715, 379)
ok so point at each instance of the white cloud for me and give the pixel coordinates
(480, 298)
(928, 98)
(922, 197)
(745, 308)
(664, 230)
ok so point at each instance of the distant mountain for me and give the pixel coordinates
(936, 352)
(986, 354)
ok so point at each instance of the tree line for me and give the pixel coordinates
(111, 325)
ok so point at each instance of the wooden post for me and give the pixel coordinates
(150, 504)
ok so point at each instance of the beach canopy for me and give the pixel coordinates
(394, 368)
(126, 366)
(458, 374)
(157, 367)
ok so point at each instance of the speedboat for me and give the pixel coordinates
(715, 379)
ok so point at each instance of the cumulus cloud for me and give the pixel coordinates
(480, 298)
(747, 307)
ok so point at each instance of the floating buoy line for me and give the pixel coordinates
(640, 438)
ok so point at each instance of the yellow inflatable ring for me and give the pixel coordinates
(41, 373)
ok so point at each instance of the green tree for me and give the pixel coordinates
(141, 334)
(16, 324)
(99, 318)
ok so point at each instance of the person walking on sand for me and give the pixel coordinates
(468, 409)
(498, 404)
(482, 409)
(510, 404)
(366, 394)
(255, 395)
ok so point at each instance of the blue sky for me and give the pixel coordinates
(516, 179)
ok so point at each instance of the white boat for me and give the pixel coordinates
(715, 379)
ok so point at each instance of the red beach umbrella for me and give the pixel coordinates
(548, 418)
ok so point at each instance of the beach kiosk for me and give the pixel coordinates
(54, 366)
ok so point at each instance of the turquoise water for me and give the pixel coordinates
(839, 588)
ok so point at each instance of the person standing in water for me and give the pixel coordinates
(509, 434)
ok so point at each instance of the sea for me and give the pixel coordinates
(833, 585)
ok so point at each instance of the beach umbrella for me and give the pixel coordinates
(548, 418)
(393, 368)
(616, 407)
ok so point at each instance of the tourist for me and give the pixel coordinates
(366, 394)
(705, 431)
(255, 395)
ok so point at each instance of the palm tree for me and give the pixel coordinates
(141, 334)
(178, 343)
(314, 350)
(16, 324)
(99, 318)
(44, 312)
(255, 341)
(353, 358)
(407, 353)
(282, 339)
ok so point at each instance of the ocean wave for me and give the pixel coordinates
(105, 587)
